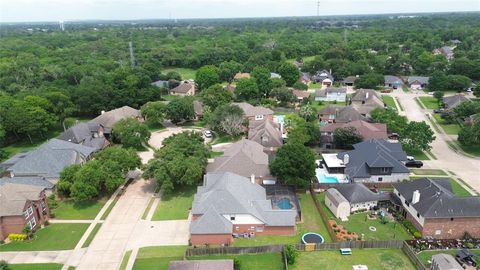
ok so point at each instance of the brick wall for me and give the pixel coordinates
(211, 239)
(279, 230)
(451, 229)
(11, 224)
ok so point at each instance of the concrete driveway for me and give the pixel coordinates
(15, 257)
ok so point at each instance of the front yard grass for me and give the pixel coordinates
(69, 209)
(360, 224)
(36, 266)
(419, 155)
(251, 261)
(312, 222)
(388, 100)
(428, 172)
(430, 102)
(451, 129)
(426, 255)
(158, 258)
(471, 149)
(393, 259)
(53, 237)
(175, 206)
(457, 189)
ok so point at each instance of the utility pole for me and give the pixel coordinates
(132, 57)
(318, 8)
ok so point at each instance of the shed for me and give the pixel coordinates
(339, 206)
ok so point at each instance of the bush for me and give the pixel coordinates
(236, 264)
(4, 265)
(17, 237)
(46, 223)
(291, 254)
(417, 235)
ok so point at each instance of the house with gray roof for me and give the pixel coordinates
(393, 81)
(228, 205)
(331, 94)
(108, 119)
(324, 78)
(450, 102)
(446, 51)
(88, 134)
(350, 80)
(266, 132)
(49, 159)
(444, 261)
(366, 100)
(21, 204)
(436, 211)
(246, 158)
(375, 160)
(417, 82)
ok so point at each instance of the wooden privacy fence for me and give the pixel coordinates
(232, 250)
(323, 215)
(408, 251)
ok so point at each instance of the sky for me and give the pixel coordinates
(56, 10)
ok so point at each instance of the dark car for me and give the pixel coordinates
(414, 163)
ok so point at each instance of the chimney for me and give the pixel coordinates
(346, 159)
(252, 178)
(366, 95)
(102, 112)
(416, 197)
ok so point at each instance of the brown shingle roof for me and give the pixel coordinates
(364, 129)
(266, 133)
(110, 118)
(251, 110)
(13, 197)
(184, 87)
(240, 75)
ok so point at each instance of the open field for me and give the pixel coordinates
(157, 258)
(389, 102)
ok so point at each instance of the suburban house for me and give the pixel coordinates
(87, 134)
(255, 113)
(393, 81)
(185, 88)
(436, 212)
(201, 265)
(346, 199)
(331, 94)
(49, 159)
(301, 95)
(337, 114)
(350, 80)
(417, 82)
(21, 205)
(324, 77)
(375, 160)
(245, 158)
(228, 205)
(365, 129)
(198, 109)
(108, 119)
(305, 78)
(446, 51)
(451, 102)
(366, 100)
(240, 75)
(161, 84)
(266, 132)
(444, 261)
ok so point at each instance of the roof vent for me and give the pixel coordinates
(416, 197)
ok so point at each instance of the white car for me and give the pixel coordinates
(207, 133)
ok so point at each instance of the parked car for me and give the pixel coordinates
(207, 133)
(441, 110)
(414, 163)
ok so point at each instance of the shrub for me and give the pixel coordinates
(17, 237)
(417, 235)
(4, 265)
(291, 254)
(46, 223)
(236, 264)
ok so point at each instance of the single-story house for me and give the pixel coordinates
(21, 204)
(393, 81)
(246, 158)
(324, 77)
(228, 205)
(185, 88)
(338, 114)
(198, 108)
(108, 119)
(266, 132)
(375, 160)
(161, 84)
(240, 75)
(346, 199)
(436, 212)
(451, 102)
(444, 261)
(446, 51)
(331, 94)
(350, 80)
(301, 94)
(201, 265)
(88, 134)
(365, 129)
(366, 100)
(255, 113)
(417, 82)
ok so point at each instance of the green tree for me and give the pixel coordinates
(131, 133)
(291, 254)
(308, 113)
(247, 89)
(438, 95)
(417, 136)
(476, 91)
(88, 180)
(465, 109)
(67, 178)
(227, 70)
(300, 86)
(283, 95)
(4, 265)
(294, 164)
(262, 78)
(215, 96)
(345, 138)
(297, 129)
(228, 119)
(154, 113)
(62, 105)
(278, 83)
(2, 135)
(289, 73)
(206, 76)
(180, 109)
(127, 159)
(470, 135)
(369, 81)
(395, 123)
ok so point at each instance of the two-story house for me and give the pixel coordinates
(324, 78)
(255, 113)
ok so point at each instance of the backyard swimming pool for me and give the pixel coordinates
(324, 178)
(280, 118)
(284, 204)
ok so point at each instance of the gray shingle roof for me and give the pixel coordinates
(419, 79)
(322, 75)
(110, 118)
(374, 153)
(334, 196)
(342, 114)
(211, 222)
(87, 134)
(455, 100)
(359, 193)
(265, 132)
(389, 79)
(350, 79)
(28, 180)
(437, 199)
(330, 90)
(50, 158)
(13, 197)
(364, 129)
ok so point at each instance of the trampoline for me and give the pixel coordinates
(312, 238)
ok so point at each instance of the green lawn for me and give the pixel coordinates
(312, 222)
(426, 255)
(158, 258)
(430, 102)
(69, 209)
(175, 206)
(92, 235)
(375, 259)
(419, 155)
(220, 138)
(451, 129)
(318, 105)
(214, 154)
(359, 224)
(53, 237)
(471, 149)
(457, 189)
(389, 102)
(125, 259)
(145, 212)
(36, 266)
(313, 85)
(428, 172)
(109, 209)
(186, 73)
(262, 261)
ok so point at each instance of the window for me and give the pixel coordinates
(32, 223)
(44, 206)
(25, 213)
(232, 217)
(30, 211)
(259, 117)
(384, 170)
(438, 232)
(380, 179)
(418, 214)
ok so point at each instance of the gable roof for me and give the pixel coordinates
(366, 100)
(50, 158)
(419, 79)
(365, 129)
(110, 118)
(250, 110)
(455, 100)
(437, 199)
(184, 87)
(240, 75)
(389, 79)
(301, 93)
(14, 196)
(244, 157)
(323, 75)
(334, 196)
(359, 193)
(342, 114)
(374, 153)
(38, 181)
(83, 133)
(350, 79)
(265, 132)
(211, 222)
(329, 90)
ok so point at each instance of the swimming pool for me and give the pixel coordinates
(284, 204)
(324, 178)
(280, 118)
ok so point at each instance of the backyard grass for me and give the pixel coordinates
(374, 258)
(92, 235)
(457, 189)
(429, 102)
(53, 237)
(428, 172)
(125, 259)
(451, 129)
(389, 102)
(426, 255)
(220, 138)
(158, 258)
(359, 224)
(312, 222)
(36, 266)
(175, 206)
(69, 209)
(186, 73)
(419, 155)
(263, 261)
(318, 105)
(313, 85)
